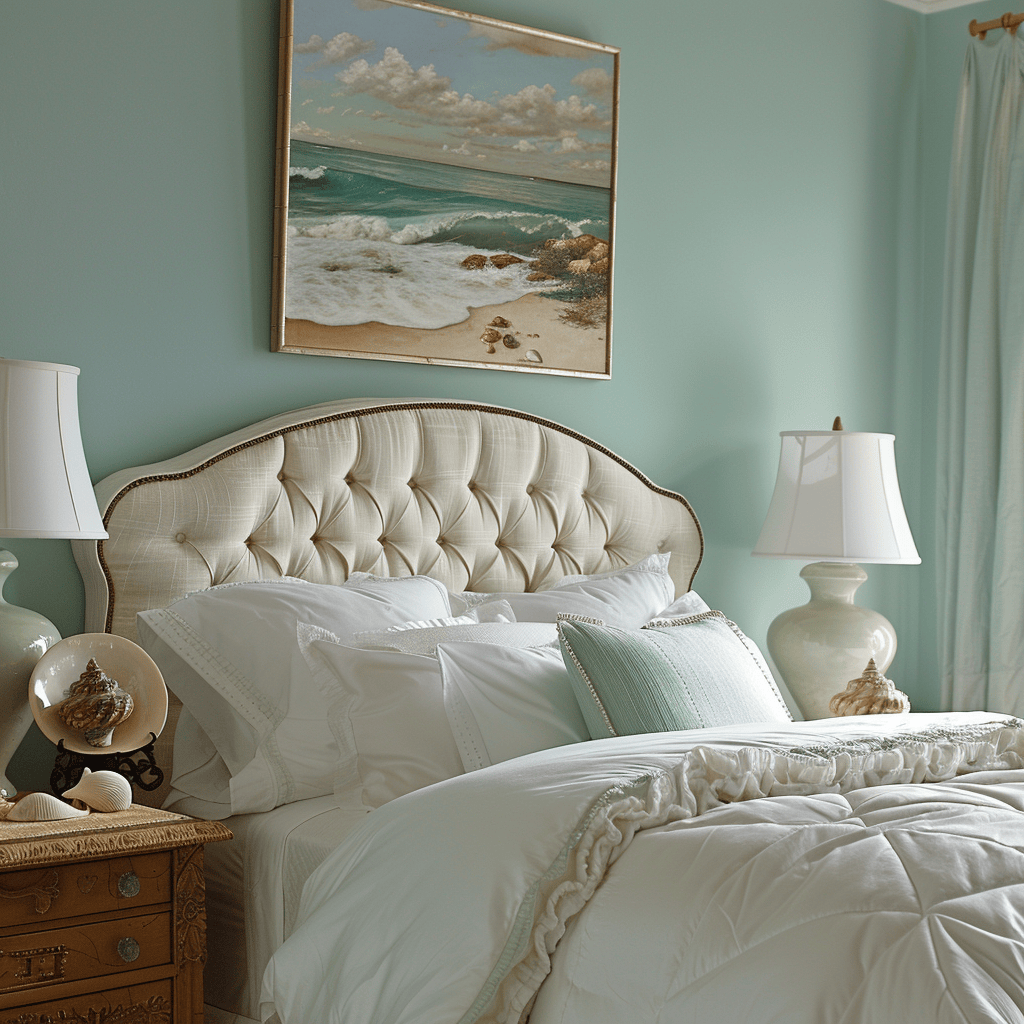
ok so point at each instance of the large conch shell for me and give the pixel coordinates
(95, 705)
(101, 791)
(39, 807)
(870, 694)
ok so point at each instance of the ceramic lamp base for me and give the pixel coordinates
(820, 646)
(25, 636)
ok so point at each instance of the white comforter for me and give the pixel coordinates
(738, 875)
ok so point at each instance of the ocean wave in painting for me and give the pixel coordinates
(378, 238)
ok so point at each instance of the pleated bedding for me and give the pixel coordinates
(856, 871)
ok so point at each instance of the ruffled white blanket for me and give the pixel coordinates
(881, 880)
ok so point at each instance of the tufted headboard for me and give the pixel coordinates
(480, 497)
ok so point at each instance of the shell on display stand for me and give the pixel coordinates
(870, 694)
(40, 807)
(101, 791)
(95, 705)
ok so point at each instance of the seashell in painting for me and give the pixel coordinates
(870, 694)
(95, 705)
(43, 807)
(101, 791)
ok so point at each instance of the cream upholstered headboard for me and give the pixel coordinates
(480, 497)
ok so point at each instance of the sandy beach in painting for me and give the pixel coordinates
(450, 190)
(535, 324)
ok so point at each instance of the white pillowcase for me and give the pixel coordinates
(254, 732)
(503, 703)
(386, 710)
(425, 641)
(626, 597)
(690, 603)
(393, 717)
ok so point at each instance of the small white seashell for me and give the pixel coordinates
(43, 807)
(101, 791)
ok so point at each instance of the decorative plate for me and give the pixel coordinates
(122, 660)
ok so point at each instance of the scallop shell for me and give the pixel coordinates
(870, 694)
(43, 807)
(101, 791)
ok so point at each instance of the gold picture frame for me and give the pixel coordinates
(445, 189)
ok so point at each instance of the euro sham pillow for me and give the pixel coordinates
(502, 702)
(627, 597)
(687, 673)
(395, 726)
(385, 709)
(254, 734)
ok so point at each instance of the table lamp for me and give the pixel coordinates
(836, 503)
(45, 491)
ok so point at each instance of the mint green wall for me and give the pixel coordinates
(768, 270)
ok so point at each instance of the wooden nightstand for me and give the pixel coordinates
(103, 919)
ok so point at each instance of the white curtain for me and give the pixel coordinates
(981, 396)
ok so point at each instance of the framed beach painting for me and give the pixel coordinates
(445, 189)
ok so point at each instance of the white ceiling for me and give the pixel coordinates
(927, 6)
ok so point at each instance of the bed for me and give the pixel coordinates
(400, 630)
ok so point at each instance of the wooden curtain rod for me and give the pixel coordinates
(1007, 21)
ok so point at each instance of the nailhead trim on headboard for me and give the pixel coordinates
(378, 411)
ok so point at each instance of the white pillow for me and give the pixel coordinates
(503, 703)
(690, 603)
(425, 641)
(626, 597)
(386, 710)
(495, 611)
(254, 732)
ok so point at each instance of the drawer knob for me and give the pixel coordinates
(128, 950)
(128, 884)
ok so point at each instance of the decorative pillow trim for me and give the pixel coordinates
(572, 617)
(468, 737)
(225, 679)
(566, 647)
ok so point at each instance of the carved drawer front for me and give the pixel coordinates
(139, 1004)
(82, 951)
(35, 895)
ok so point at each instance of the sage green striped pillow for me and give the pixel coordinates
(688, 673)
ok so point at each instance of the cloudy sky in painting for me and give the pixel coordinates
(368, 74)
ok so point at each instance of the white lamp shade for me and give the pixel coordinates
(837, 499)
(45, 490)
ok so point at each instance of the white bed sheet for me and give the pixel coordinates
(253, 886)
